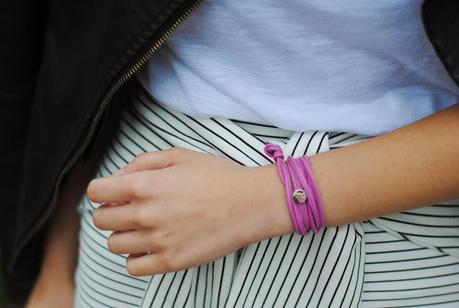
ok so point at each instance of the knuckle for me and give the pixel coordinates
(166, 162)
(143, 185)
(154, 242)
(141, 158)
(143, 161)
(141, 217)
(174, 153)
(157, 240)
(134, 219)
(169, 261)
(134, 188)
(145, 217)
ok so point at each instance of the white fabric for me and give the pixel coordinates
(402, 260)
(338, 65)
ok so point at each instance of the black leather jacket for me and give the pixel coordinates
(91, 49)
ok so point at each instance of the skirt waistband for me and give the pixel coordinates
(237, 140)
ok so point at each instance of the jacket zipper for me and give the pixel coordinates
(103, 105)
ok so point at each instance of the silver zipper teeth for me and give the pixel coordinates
(106, 100)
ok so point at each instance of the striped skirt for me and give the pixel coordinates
(401, 260)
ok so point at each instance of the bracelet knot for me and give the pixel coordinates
(274, 151)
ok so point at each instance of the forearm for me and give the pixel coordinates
(221, 206)
(407, 168)
(59, 258)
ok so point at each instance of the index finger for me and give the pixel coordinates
(117, 189)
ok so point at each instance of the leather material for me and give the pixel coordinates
(88, 45)
(441, 23)
(22, 25)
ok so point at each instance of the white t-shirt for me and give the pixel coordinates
(339, 65)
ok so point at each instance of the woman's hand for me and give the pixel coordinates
(174, 209)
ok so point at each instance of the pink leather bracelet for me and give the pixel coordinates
(303, 196)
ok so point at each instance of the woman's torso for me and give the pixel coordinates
(357, 66)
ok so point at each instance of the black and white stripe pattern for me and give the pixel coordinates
(402, 260)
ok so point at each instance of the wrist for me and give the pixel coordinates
(268, 204)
